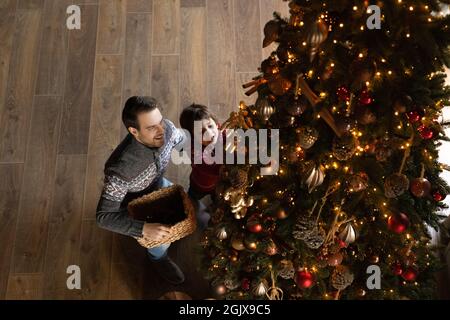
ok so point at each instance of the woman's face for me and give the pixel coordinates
(210, 132)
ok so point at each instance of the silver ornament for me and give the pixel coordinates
(317, 34)
(314, 177)
(221, 233)
(261, 288)
(348, 235)
(264, 108)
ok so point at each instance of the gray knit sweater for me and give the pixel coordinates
(131, 171)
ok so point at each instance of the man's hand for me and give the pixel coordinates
(155, 231)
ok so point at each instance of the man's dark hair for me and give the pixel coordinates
(134, 106)
(194, 112)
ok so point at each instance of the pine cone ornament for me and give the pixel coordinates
(302, 227)
(315, 238)
(395, 185)
(344, 148)
(383, 152)
(286, 270)
(341, 277)
(306, 230)
(358, 182)
(231, 283)
(239, 179)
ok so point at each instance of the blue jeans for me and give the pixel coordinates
(157, 253)
(200, 210)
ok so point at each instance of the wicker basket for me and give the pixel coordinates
(170, 206)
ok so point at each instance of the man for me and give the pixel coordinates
(136, 168)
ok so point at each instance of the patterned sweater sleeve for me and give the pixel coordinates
(110, 215)
(178, 135)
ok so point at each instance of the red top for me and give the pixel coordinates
(204, 177)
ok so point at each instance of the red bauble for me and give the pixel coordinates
(397, 268)
(343, 94)
(341, 243)
(305, 279)
(425, 132)
(398, 223)
(245, 284)
(365, 98)
(420, 187)
(410, 274)
(335, 259)
(413, 116)
(254, 226)
(437, 196)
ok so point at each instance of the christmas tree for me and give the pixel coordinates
(356, 103)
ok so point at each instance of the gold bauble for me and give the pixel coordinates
(279, 85)
(237, 243)
(282, 214)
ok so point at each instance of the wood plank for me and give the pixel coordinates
(193, 65)
(137, 57)
(81, 2)
(36, 195)
(15, 115)
(166, 26)
(242, 78)
(221, 58)
(248, 38)
(126, 282)
(185, 254)
(193, 56)
(30, 4)
(10, 186)
(127, 250)
(165, 88)
(25, 287)
(267, 8)
(53, 51)
(105, 126)
(78, 87)
(139, 6)
(7, 27)
(95, 257)
(137, 64)
(129, 261)
(63, 247)
(111, 26)
(193, 3)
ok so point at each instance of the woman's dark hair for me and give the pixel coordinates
(194, 112)
(134, 106)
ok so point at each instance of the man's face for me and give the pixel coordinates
(151, 128)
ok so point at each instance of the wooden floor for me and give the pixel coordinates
(61, 95)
